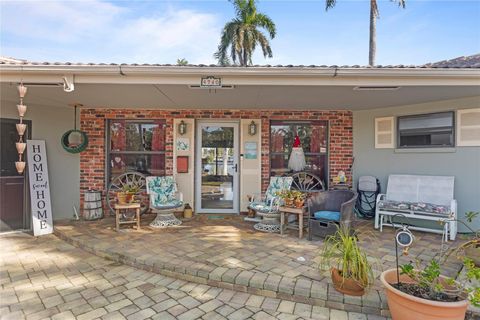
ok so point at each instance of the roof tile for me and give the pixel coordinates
(472, 61)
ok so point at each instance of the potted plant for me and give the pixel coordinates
(287, 197)
(350, 269)
(127, 193)
(423, 293)
(299, 198)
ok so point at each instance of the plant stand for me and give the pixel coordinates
(164, 218)
(284, 224)
(270, 222)
(118, 215)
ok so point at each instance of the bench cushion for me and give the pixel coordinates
(413, 206)
(327, 215)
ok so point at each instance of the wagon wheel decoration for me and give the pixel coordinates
(129, 179)
(307, 182)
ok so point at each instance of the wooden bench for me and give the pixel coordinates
(428, 198)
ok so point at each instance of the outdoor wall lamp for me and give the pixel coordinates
(252, 128)
(182, 128)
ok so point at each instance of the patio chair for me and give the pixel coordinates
(328, 209)
(267, 208)
(164, 199)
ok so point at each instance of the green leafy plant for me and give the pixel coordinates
(131, 188)
(342, 251)
(432, 286)
(291, 194)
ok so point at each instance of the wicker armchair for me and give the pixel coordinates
(328, 209)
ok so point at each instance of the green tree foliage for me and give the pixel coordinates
(242, 34)
(182, 62)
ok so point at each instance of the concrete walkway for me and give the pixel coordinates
(46, 278)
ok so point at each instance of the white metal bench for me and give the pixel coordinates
(413, 190)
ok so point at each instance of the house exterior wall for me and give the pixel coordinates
(92, 160)
(49, 124)
(461, 162)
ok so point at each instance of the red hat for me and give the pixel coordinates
(296, 143)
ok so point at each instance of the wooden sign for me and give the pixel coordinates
(42, 221)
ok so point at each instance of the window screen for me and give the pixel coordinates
(426, 130)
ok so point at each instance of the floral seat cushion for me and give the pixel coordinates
(277, 185)
(414, 206)
(163, 191)
(260, 207)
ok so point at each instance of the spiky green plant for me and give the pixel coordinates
(342, 251)
(242, 35)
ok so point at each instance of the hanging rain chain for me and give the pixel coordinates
(21, 128)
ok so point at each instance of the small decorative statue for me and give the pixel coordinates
(297, 157)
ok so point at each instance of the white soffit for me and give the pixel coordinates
(241, 97)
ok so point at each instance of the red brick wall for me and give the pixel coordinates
(92, 121)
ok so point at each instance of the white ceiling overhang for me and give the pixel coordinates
(114, 86)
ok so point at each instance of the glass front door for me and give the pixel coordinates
(216, 167)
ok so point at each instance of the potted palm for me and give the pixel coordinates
(414, 292)
(350, 269)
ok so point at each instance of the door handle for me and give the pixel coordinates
(236, 167)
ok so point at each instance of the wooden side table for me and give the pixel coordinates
(119, 207)
(286, 211)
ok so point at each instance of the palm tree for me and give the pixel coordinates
(182, 62)
(242, 34)
(374, 14)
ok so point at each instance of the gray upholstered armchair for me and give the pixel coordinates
(329, 208)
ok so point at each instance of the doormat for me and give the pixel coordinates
(215, 217)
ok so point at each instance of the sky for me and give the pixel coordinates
(163, 31)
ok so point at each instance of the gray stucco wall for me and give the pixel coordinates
(49, 124)
(461, 162)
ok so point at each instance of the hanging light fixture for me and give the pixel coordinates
(21, 128)
(182, 128)
(252, 128)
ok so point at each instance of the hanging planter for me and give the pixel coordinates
(74, 141)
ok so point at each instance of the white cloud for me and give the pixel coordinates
(97, 31)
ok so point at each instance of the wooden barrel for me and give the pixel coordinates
(92, 205)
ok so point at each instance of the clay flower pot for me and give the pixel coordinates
(124, 197)
(299, 203)
(406, 307)
(346, 286)
(288, 202)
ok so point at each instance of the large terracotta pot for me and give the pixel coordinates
(346, 286)
(407, 307)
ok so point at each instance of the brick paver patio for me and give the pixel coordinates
(228, 253)
(47, 278)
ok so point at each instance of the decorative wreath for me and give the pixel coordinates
(74, 148)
